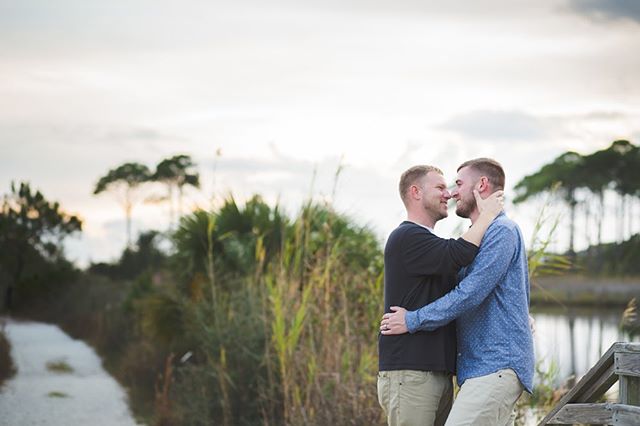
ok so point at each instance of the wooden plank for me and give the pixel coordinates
(630, 390)
(598, 414)
(599, 378)
(598, 387)
(633, 347)
(625, 415)
(627, 364)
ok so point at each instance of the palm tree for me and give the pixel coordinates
(126, 181)
(234, 234)
(176, 173)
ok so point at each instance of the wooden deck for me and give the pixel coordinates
(621, 363)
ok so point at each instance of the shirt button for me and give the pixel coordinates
(459, 353)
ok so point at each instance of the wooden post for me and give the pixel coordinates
(630, 390)
(627, 367)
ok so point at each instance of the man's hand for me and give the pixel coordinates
(393, 323)
(492, 205)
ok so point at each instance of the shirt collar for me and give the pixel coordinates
(421, 225)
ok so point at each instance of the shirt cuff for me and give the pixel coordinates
(411, 320)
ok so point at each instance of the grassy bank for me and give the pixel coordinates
(579, 290)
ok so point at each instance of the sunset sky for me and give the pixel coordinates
(283, 88)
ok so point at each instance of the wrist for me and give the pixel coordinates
(411, 321)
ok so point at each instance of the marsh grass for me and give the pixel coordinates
(290, 340)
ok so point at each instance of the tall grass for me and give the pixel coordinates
(322, 335)
(289, 338)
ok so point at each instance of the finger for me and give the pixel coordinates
(394, 308)
(386, 316)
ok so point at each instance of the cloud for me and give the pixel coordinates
(508, 126)
(608, 9)
(364, 192)
(138, 134)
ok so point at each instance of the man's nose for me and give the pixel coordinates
(446, 195)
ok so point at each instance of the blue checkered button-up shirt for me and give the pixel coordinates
(491, 305)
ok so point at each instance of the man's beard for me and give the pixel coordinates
(464, 208)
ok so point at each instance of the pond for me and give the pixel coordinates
(573, 339)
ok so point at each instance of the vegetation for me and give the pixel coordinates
(32, 229)
(630, 319)
(59, 367)
(143, 256)
(126, 181)
(176, 173)
(611, 259)
(583, 183)
(129, 181)
(7, 369)
(254, 317)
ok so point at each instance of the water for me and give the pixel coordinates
(575, 339)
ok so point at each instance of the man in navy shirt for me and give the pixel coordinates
(414, 383)
(495, 359)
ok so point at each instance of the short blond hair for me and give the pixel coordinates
(411, 176)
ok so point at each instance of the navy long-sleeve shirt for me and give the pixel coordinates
(420, 267)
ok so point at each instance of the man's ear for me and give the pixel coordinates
(414, 191)
(483, 184)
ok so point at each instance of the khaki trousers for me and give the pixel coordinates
(415, 398)
(486, 400)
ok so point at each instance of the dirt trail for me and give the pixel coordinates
(59, 381)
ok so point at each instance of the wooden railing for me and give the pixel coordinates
(620, 363)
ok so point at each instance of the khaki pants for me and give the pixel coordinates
(486, 400)
(411, 397)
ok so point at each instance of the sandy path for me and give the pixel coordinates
(38, 396)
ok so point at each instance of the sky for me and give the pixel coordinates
(273, 97)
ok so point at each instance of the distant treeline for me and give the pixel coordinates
(611, 259)
(585, 182)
